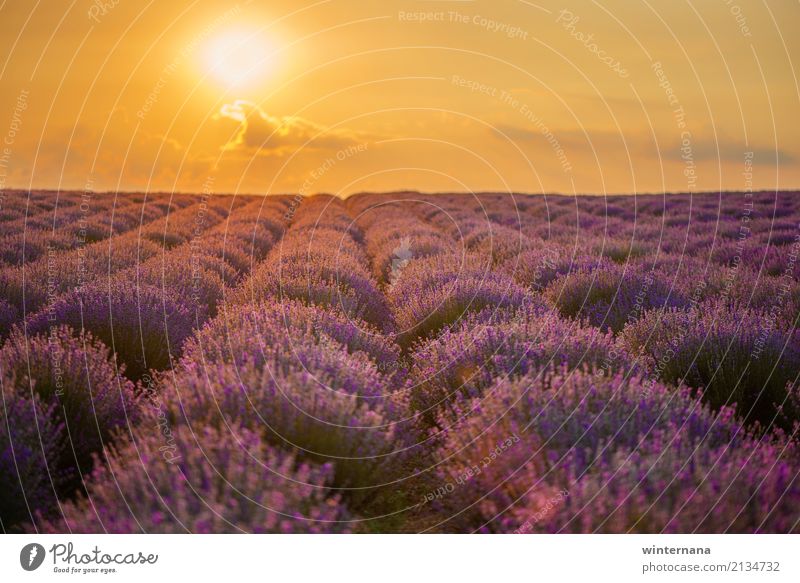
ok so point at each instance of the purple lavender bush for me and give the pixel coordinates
(499, 242)
(184, 275)
(462, 363)
(437, 292)
(399, 362)
(536, 268)
(326, 242)
(31, 444)
(76, 374)
(393, 241)
(673, 485)
(616, 454)
(240, 329)
(743, 358)
(205, 480)
(308, 395)
(145, 326)
(339, 283)
(8, 316)
(611, 297)
(230, 252)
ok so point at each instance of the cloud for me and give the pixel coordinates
(704, 146)
(259, 132)
(731, 150)
(539, 132)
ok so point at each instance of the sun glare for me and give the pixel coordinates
(238, 57)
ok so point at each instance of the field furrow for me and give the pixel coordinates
(406, 363)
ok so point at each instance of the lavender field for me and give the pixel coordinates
(399, 363)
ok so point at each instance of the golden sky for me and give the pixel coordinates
(342, 96)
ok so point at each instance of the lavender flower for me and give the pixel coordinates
(145, 326)
(8, 316)
(31, 443)
(609, 298)
(463, 363)
(75, 374)
(740, 358)
(204, 481)
(436, 292)
(239, 330)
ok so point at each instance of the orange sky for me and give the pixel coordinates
(345, 96)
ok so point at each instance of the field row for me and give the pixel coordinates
(403, 363)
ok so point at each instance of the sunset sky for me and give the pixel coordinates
(341, 96)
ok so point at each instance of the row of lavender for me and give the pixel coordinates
(89, 327)
(293, 374)
(644, 396)
(407, 362)
(54, 221)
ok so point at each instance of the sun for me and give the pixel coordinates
(239, 57)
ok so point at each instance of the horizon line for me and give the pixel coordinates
(10, 190)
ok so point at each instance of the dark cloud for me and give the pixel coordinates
(729, 150)
(703, 145)
(262, 133)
